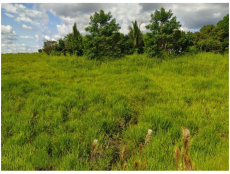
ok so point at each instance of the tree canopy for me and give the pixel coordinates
(163, 27)
(104, 37)
(165, 38)
(74, 42)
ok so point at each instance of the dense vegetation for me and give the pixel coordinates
(165, 38)
(72, 113)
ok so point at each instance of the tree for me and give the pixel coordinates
(49, 46)
(135, 35)
(104, 37)
(60, 47)
(74, 42)
(126, 45)
(40, 50)
(213, 38)
(181, 41)
(208, 39)
(163, 27)
(224, 26)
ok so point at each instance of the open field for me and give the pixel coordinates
(53, 108)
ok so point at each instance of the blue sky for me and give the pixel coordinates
(24, 27)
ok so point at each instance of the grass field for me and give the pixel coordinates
(53, 108)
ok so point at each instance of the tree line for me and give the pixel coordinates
(163, 39)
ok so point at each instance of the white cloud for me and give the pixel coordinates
(7, 34)
(9, 7)
(27, 27)
(35, 46)
(37, 37)
(80, 13)
(18, 48)
(26, 37)
(192, 16)
(216, 15)
(9, 15)
(44, 15)
(56, 36)
(10, 51)
(63, 29)
(24, 14)
(47, 37)
(7, 29)
(24, 19)
(44, 29)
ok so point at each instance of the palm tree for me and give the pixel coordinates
(135, 35)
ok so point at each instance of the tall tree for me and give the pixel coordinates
(162, 26)
(74, 42)
(136, 36)
(104, 37)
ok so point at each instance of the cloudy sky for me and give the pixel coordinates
(24, 27)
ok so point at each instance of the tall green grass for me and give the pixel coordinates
(53, 108)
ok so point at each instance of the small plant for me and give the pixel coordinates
(135, 166)
(186, 163)
(123, 155)
(138, 165)
(140, 147)
(148, 136)
(93, 152)
(125, 166)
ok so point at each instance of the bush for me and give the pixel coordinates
(193, 50)
(49, 46)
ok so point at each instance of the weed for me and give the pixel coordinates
(186, 163)
(148, 136)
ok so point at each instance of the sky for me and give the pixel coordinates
(25, 26)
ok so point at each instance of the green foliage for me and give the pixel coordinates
(126, 45)
(181, 41)
(163, 27)
(49, 46)
(60, 47)
(104, 37)
(164, 41)
(224, 26)
(135, 35)
(192, 49)
(74, 42)
(208, 39)
(212, 38)
(99, 46)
